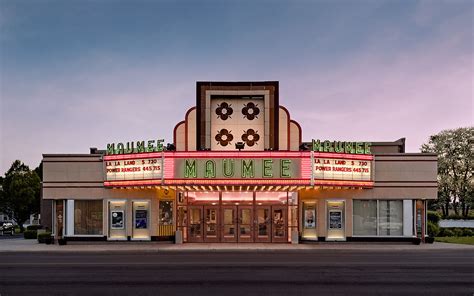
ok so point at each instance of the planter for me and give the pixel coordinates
(48, 241)
(62, 241)
(417, 241)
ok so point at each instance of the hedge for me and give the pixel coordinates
(433, 229)
(455, 231)
(460, 217)
(34, 227)
(42, 237)
(30, 234)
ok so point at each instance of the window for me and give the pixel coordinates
(88, 217)
(378, 217)
(365, 217)
(390, 217)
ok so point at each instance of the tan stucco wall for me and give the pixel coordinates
(181, 137)
(295, 140)
(191, 130)
(283, 130)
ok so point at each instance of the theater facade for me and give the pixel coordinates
(239, 171)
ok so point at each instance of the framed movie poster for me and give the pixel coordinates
(309, 217)
(335, 220)
(166, 212)
(117, 221)
(141, 219)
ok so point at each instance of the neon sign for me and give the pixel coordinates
(135, 147)
(229, 168)
(341, 147)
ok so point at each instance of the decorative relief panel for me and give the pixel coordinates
(237, 119)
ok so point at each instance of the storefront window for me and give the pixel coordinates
(365, 217)
(88, 217)
(390, 217)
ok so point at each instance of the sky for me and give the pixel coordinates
(80, 74)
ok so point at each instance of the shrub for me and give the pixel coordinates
(446, 232)
(458, 231)
(42, 237)
(468, 232)
(433, 229)
(470, 216)
(34, 227)
(434, 217)
(30, 234)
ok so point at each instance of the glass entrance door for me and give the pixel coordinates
(245, 223)
(211, 223)
(280, 224)
(263, 223)
(229, 224)
(195, 224)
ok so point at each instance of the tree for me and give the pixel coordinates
(455, 149)
(21, 192)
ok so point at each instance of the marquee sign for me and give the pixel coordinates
(239, 168)
(342, 169)
(134, 169)
(230, 168)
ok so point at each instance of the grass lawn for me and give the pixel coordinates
(467, 240)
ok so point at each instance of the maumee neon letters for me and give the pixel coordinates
(135, 147)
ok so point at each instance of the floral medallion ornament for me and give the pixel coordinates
(224, 137)
(224, 110)
(250, 111)
(250, 137)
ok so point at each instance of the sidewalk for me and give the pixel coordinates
(22, 245)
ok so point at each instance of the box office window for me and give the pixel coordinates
(365, 217)
(88, 217)
(391, 217)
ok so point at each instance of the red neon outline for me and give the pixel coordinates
(230, 182)
(219, 154)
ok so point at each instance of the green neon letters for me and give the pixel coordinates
(135, 147)
(341, 147)
(228, 168)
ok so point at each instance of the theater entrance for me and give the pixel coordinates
(245, 220)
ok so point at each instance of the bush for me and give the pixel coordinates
(458, 231)
(446, 232)
(454, 217)
(468, 232)
(34, 227)
(470, 216)
(433, 229)
(434, 217)
(30, 234)
(42, 237)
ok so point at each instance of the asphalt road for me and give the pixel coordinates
(312, 272)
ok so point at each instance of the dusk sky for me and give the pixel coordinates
(80, 74)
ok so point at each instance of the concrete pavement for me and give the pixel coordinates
(22, 245)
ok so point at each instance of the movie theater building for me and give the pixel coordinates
(239, 171)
